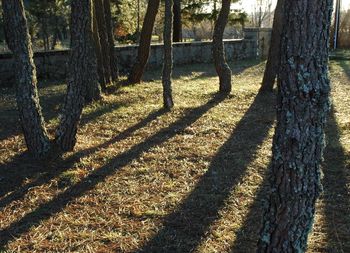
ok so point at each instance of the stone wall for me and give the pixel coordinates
(53, 64)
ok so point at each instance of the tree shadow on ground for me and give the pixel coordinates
(205, 69)
(336, 198)
(10, 124)
(336, 195)
(23, 167)
(248, 234)
(345, 64)
(185, 228)
(46, 210)
(50, 104)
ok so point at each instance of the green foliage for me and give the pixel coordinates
(125, 16)
(48, 20)
(2, 35)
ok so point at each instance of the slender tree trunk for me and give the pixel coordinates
(272, 63)
(113, 59)
(177, 28)
(303, 104)
(221, 66)
(145, 42)
(18, 41)
(103, 35)
(82, 72)
(168, 55)
(98, 50)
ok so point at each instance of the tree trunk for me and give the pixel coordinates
(98, 50)
(113, 59)
(103, 36)
(221, 66)
(19, 43)
(272, 63)
(82, 73)
(303, 103)
(177, 28)
(168, 56)
(145, 42)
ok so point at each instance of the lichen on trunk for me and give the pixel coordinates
(303, 104)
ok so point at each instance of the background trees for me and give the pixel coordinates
(168, 55)
(222, 68)
(272, 63)
(145, 42)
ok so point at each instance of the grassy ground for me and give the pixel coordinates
(144, 180)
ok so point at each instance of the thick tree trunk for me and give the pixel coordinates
(177, 27)
(82, 72)
(303, 103)
(272, 63)
(113, 59)
(145, 42)
(168, 56)
(221, 66)
(18, 41)
(103, 36)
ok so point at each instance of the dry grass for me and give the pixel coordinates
(144, 180)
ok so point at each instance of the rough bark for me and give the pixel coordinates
(103, 36)
(272, 63)
(177, 26)
(82, 70)
(221, 66)
(168, 56)
(145, 42)
(303, 103)
(113, 59)
(19, 43)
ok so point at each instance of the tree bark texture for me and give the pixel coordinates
(221, 66)
(272, 63)
(145, 42)
(112, 57)
(103, 36)
(18, 40)
(168, 55)
(82, 70)
(303, 104)
(177, 26)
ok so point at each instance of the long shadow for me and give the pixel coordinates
(345, 64)
(336, 196)
(248, 234)
(9, 116)
(206, 70)
(48, 173)
(185, 228)
(46, 210)
(50, 108)
(22, 167)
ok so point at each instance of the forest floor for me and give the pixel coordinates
(145, 180)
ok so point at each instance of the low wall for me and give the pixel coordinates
(53, 64)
